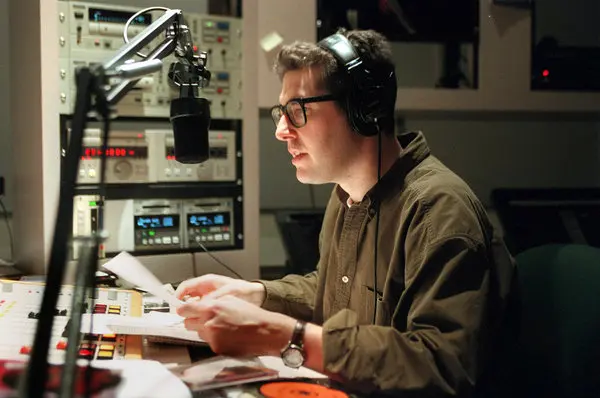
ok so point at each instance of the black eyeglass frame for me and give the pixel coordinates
(282, 109)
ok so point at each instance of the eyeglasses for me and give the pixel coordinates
(295, 110)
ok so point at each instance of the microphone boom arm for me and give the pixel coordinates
(93, 84)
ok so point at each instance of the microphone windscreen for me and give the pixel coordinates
(190, 118)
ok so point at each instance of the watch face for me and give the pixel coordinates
(293, 357)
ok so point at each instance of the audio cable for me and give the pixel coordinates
(217, 260)
(376, 239)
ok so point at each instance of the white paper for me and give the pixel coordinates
(152, 324)
(148, 379)
(130, 269)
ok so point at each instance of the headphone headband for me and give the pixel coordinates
(341, 48)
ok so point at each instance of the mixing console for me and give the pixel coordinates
(19, 311)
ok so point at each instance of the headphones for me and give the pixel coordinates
(368, 93)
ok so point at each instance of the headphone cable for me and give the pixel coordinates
(376, 204)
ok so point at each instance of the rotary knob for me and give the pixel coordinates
(123, 170)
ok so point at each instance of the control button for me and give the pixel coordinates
(211, 238)
(175, 240)
(188, 171)
(109, 337)
(345, 279)
(177, 171)
(25, 350)
(150, 241)
(218, 237)
(91, 173)
(105, 354)
(113, 294)
(100, 309)
(166, 240)
(81, 173)
(226, 236)
(61, 345)
(144, 241)
(86, 354)
(158, 240)
(107, 347)
(168, 172)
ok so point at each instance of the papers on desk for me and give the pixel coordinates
(131, 270)
(148, 379)
(224, 371)
(163, 327)
(115, 379)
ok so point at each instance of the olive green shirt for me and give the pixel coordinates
(440, 288)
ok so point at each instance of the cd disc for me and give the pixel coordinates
(299, 389)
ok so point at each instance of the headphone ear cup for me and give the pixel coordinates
(367, 105)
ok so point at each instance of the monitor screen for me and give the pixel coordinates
(403, 20)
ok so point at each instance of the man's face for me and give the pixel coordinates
(324, 146)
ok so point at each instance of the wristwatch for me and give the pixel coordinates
(293, 354)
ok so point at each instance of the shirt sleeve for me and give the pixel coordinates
(293, 295)
(432, 350)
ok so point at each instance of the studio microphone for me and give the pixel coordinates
(190, 117)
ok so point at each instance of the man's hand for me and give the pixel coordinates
(233, 326)
(213, 286)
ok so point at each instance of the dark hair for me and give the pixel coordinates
(374, 50)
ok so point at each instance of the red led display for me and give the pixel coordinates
(115, 152)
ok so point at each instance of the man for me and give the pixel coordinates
(414, 227)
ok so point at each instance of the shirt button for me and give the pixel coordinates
(345, 279)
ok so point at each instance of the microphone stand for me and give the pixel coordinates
(92, 94)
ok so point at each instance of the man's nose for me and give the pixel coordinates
(283, 132)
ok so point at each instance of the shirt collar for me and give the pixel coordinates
(414, 150)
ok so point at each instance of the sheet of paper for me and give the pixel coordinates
(130, 269)
(148, 379)
(152, 324)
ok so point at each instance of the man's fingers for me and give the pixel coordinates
(196, 309)
(194, 324)
(196, 287)
(185, 288)
(217, 293)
